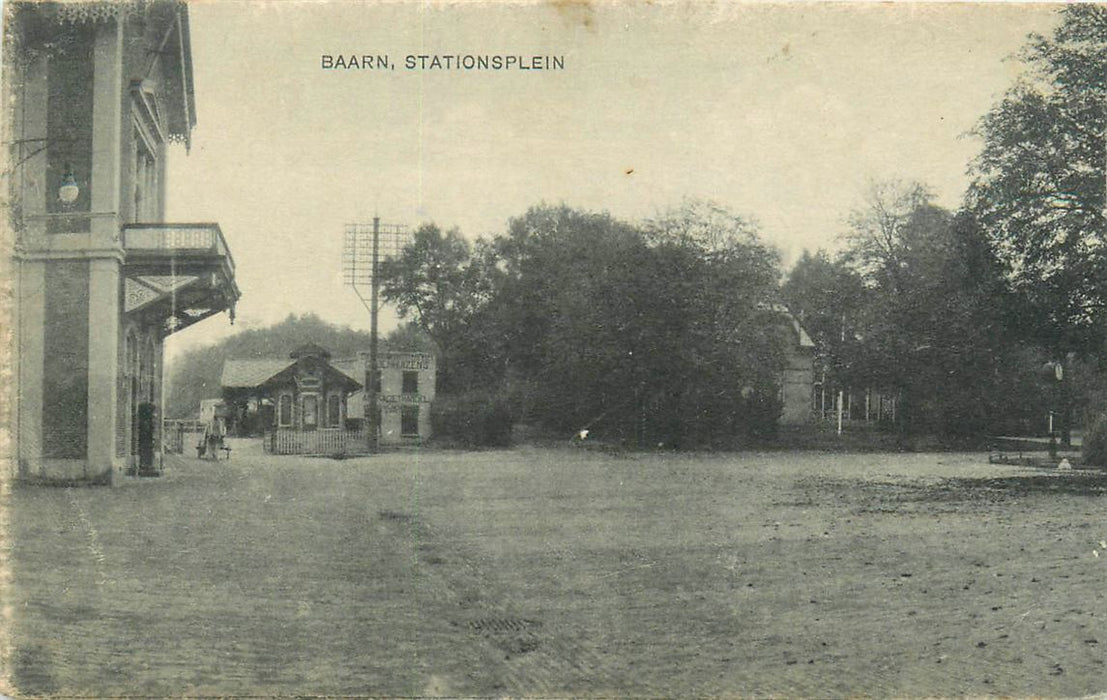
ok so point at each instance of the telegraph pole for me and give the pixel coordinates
(365, 246)
(373, 416)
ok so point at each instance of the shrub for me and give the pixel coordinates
(472, 419)
(1095, 442)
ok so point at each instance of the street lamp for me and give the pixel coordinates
(69, 191)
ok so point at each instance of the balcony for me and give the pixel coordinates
(177, 274)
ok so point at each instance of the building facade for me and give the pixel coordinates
(304, 392)
(798, 374)
(310, 404)
(96, 92)
(407, 388)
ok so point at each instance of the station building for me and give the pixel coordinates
(308, 403)
(303, 392)
(96, 92)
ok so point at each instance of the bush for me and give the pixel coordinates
(472, 419)
(1094, 449)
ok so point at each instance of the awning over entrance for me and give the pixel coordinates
(177, 274)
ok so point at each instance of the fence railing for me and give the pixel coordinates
(179, 436)
(288, 441)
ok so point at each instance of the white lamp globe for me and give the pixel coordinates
(68, 192)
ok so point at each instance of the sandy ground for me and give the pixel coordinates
(563, 573)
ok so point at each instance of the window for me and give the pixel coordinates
(146, 194)
(334, 411)
(284, 411)
(311, 411)
(409, 421)
(411, 383)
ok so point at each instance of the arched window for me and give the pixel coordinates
(148, 369)
(131, 361)
(311, 412)
(334, 411)
(284, 411)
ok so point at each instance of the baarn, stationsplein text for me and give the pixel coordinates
(443, 62)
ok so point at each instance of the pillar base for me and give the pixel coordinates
(62, 472)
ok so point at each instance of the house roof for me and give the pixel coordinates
(804, 339)
(244, 374)
(249, 374)
(352, 368)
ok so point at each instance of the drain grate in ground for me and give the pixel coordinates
(503, 624)
(514, 635)
(397, 516)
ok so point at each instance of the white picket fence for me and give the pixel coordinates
(327, 441)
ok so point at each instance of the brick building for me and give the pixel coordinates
(95, 94)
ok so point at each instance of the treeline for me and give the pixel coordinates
(981, 320)
(661, 333)
(918, 305)
(987, 319)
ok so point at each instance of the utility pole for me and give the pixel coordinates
(372, 409)
(364, 248)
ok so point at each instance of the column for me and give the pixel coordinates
(104, 286)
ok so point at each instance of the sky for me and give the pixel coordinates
(783, 113)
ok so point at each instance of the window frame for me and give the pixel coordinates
(404, 384)
(281, 406)
(408, 414)
(334, 411)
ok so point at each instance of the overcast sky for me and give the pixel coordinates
(782, 113)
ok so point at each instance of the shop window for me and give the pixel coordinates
(410, 383)
(284, 411)
(409, 421)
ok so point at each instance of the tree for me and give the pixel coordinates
(435, 281)
(876, 246)
(732, 347)
(933, 327)
(409, 337)
(830, 300)
(1039, 187)
(661, 333)
(651, 333)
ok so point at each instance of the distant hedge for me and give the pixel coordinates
(473, 419)
(1095, 442)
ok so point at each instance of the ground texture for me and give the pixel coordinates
(562, 573)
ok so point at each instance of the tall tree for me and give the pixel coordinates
(435, 282)
(933, 326)
(830, 299)
(645, 333)
(1039, 183)
(875, 244)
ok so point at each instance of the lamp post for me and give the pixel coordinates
(1054, 373)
